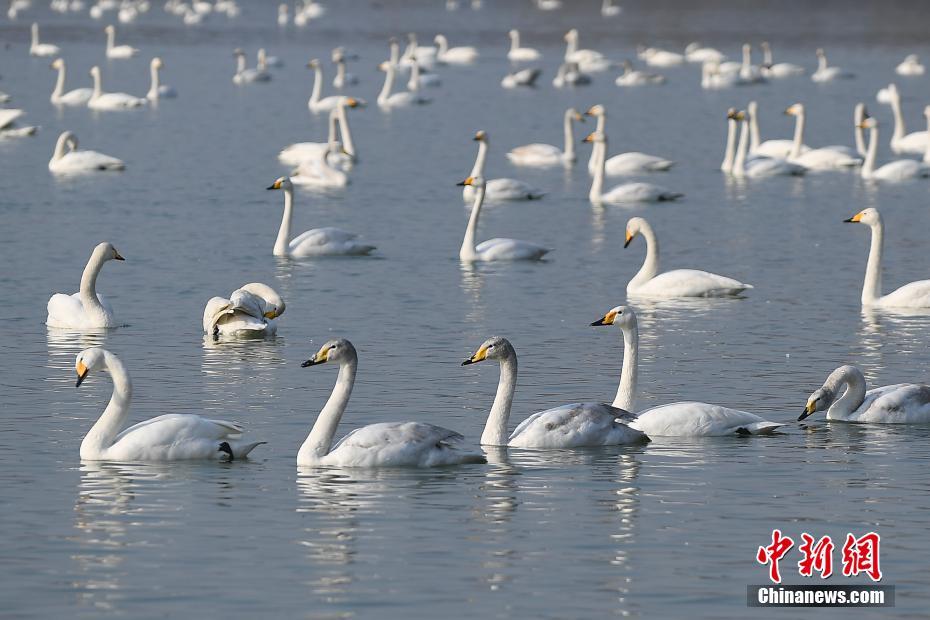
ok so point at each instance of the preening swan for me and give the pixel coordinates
(649, 283)
(759, 166)
(100, 100)
(900, 170)
(825, 73)
(453, 55)
(630, 163)
(912, 295)
(314, 242)
(523, 77)
(41, 49)
(243, 74)
(682, 419)
(388, 99)
(914, 143)
(158, 90)
(844, 397)
(250, 311)
(172, 437)
(630, 77)
(497, 189)
(825, 158)
(910, 66)
(570, 426)
(117, 51)
(78, 96)
(85, 309)
(492, 249)
(520, 54)
(773, 70)
(388, 444)
(73, 161)
(544, 155)
(341, 154)
(627, 192)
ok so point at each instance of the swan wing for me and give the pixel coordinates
(7, 117)
(689, 283)
(575, 425)
(332, 241)
(820, 159)
(87, 161)
(639, 192)
(902, 170)
(692, 419)
(178, 437)
(632, 162)
(911, 295)
(896, 404)
(511, 189)
(401, 444)
(300, 152)
(535, 153)
(509, 249)
(65, 311)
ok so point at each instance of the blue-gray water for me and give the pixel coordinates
(657, 531)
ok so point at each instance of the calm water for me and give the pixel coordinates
(655, 531)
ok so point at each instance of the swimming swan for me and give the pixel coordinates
(631, 77)
(453, 55)
(825, 73)
(77, 162)
(85, 309)
(771, 69)
(844, 397)
(630, 163)
(900, 170)
(914, 143)
(117, 51)
(250, 311)
(497, 189)
(243, 74)
(78, 96)
(520, 54)
(759, 166)
(158, 90)
(388, 99)
(300, 152)
(497, 248)
(825, 158)
(769, 148)
(910, 66)
(545, 155)
(41, 49)
(627, 192)
(522, 77)
(100, 100)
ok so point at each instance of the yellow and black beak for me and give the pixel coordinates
(117, 255)
(271, 314)
(854, 219)
(82, 372)
(607, 319)
(579, 117)
(589, 138)
(321, 357)
(628, 239)
(275, 185)
(808, 410)
(468, 181)
(479, 356)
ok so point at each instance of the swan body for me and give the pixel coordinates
(574, 425)
(41, 49)
(588, 61)
(546, 155)
(900, 170)
(844, 397)
(497, 249)
(73, 161)
(910, 66)
(609, 9)
(8, 117)
(629, 163)
(713, 77)
(314, 242)
(570, 74)
(826, 158)
(245, 75)
(655, 57)
(172, 437)
(85, 309)
(453, 55)
(627, 192)
(695, 52)
(392, 444)
(319, 172)
(496, 189)
(100, 100)
(117, 51)
(158, 90)
(759, 166)
(630, 77)
(390, 100)
(250, 311)
(76, 97)
(912, 295)
(769, 148)
(772, 70)
(523, 77)
(914, 143)
(826, 73)
(339, 155)
(520, 54)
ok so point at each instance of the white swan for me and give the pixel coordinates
(695, 52)
(341, 154)
(655, 57)
(343, 78)
(453, 55)
(100, 100)
(263, 61)
(682, 419)
(844, 397)
(78, 96)
(319, 172)
(314, 242)
(749, 73)
(520, 54)
(629, 163)
(769, 148)
(544, 155)
(914, 143)
(910, 66)
(73, 161)
(589, 61)
(41, 49)
(158, 90)
(497, 189)
(243, 74)
(773, 70)
(900, 170)
(825, 158)
(521, 77)
(8, 117)
(649, 283)
(609, 9)
(172, 437)
(387, 444)
(627, 192)
(759, 166)
(575, 425)
(631, 77)
(388, 100)
(911, 295)
(283, 17)
(250, 311)
(423, 55)
(493, 249)
(117, 51)
(570, 74)
(418, 79)
(826, 73)
(714, 78)
(85, 309)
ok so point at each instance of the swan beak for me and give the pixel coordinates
(117, 256)
(82, 371)
(271, 314)
(275, 185)
(854, 219)
(808, 410)
(607, 319)
(321, 357)
(629, 238)
(589, 138)
(468, 181)
(479, 356)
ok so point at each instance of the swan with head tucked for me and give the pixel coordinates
(910, 66)
(520, 54)
(631, 77)
(388, 100)
(249, 312)
(900, 170)
(914, 143)
(243, 74)
(656, 57)
(41, 49)
(521, 77)
(78, 96)
(314, 242)
(773, 70)
(844, 397)
(627, 192)
(493, 249)
(85, 309)
(682, 419)
(497, 189)
(386, 444)
(629, 163)
(341, 154)
(172, 437)
(826, 73)
(158, 90)
(911, 295)
(100, 100)
(825, 158)
(649, 283)
(545, 155)
(759, 166)
(575, 425)
(453, 55)
(8, 128)
(67, 159)
(117, 51)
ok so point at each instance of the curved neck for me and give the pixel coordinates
(868, 166)
(872, 287)
(601, 128)
(599, 152)
(317, 84)
(899, 129)
(284, 232)
(414, 82)
(98, 86)
(346, 133)
(852, 398)
(442, 45)
(320, 439)
(104, 431)
(153, 90)
(626, 392)
(727, 165)
(495, 430)
(742, 149)
(478, 169)
(60, 148)
(798, 135)
(569, 132)
(59, 84)
(754, 138)
(88, 292)
(650, 265)
(388, 84)
(467, 251)
(858, 117)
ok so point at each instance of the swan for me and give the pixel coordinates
(569, 74)
(548, 5)
(609, 9)
(497, 189)
(250, 311)
(655, 57)
(8, 117)
(695, 52)
(158, 90)
(771, 69)
(319, 172)
(759, 166)
(388, 100)
(523, 77)
(630, 163)
(318, 103)
(649, 283)
(910, 66)
(243, 74)
(423, 55)
(100, 100)
(416, 60)
(575, 425)
(300, 152)
(520, 54)
(825, 73)
(117, 51)
(497, 248)
(78, 96)
(41, 49)
(4, 97)
(749, 73)
(314, 242)
(453, 55)
(589, 61)
(171, 437)
(769, 148)
(78, 162)
(283, 18)
(730, 150)
(627, 192)
(900, 170)
(844, 397)
(682, 419)
(263, 60)
(713, 78)
(418, 79)
(914, 143)
(859, 115)
(637, 78)
(825, 158)
(387, 444)
(911, 295)
(342, 78)
(545, 155)
(85, 309)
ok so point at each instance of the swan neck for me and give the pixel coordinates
(742, 149)
(858, 133)
(59, 84)
(153, 90)
(317, 85)
(872, 287)
(868, 166)
(927, 150)
(754, 138)
(597, 184)
(284, 232)
(853, 396)
(320, 439)
(626, 392)
(88, 292)
(798, 141)
(331, 123)
(899, 128)
(467, 251)
(767, 55)
(111, 39)
(478, 169)
(388, 84)
(601, 128)
(495, 430)
(514, 41)
(60, 148)
(729, 153)
(341, 73)
(98, 86)
(346, 133)
(104, 431)
(569, 133)
(35, 35)
(442, 45)
(414, 82)
(650, 265)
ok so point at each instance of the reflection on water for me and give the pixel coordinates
(64, 345)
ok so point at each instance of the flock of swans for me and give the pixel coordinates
(254, 309)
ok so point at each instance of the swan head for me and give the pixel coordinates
(494, 348)
(596, 110)
(58, 63)
(109, 29)
(621, 316)
(338, 350)
(869, 217)
(927, 111)
(795, 109)
(733, 114)
(95, 71)
(765, 46)
(513, 33)
(472, 182)
(282, 183)
(274, 304)
(820, 400)
(575, 115)
(867, 122)
(480, 136)
(313, 64)
(634, 226)
(440, 39)
(238, 52)
(354, 102)
(747, 47)
(157, 63)
(35, 28)
(820, 53)
(571, 35)
(338, 54)
(595, 136)
(106, 251)
(87, 360)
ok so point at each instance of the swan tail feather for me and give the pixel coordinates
(759, 428)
